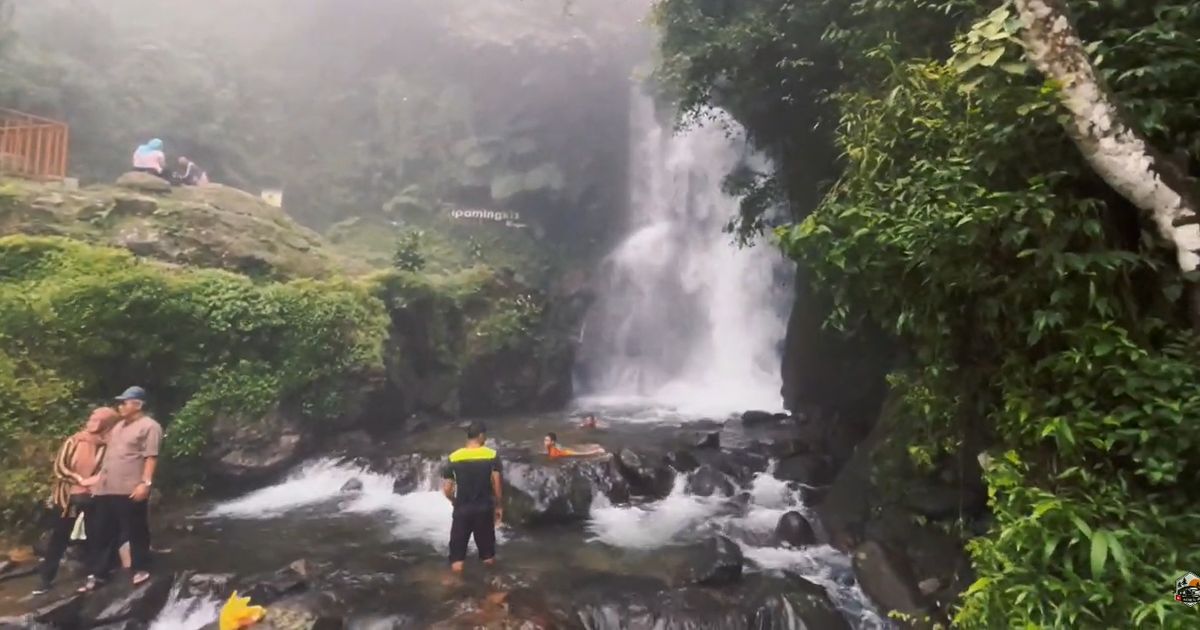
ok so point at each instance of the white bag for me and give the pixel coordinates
(78, 532)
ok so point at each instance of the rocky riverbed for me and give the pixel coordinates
(686, 524)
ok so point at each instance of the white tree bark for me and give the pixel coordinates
(1120, 154)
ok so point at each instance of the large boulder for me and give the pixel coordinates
(121, 601)
(144, 182)
(795, 530)
(559, 492)
(682, 461)
(412, 472)
(887, 578)
(247, 450)
(707, 481)
(716, 562)
(645, 477)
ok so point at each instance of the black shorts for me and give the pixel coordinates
(481, 525)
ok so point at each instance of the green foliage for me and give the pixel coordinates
(408, 255)
(78, 323)
(512, 320)
(1042, 319)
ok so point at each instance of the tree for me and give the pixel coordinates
(1114, 148)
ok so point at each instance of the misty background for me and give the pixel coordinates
(380, 112)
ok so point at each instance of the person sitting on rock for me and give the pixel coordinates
(149, 158)
(555, 452)
(190, 174)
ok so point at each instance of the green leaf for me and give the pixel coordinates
(1018, 69)
(991, 57)
(1083, 527)
(1099, 554)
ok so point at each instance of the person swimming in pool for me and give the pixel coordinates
(555, 452)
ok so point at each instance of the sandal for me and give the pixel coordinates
(89, 585)
(140, 577)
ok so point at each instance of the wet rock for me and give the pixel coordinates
(5, 565)
(780, 604)
(679, 609)
(718, 562)
(120, 601)
(308, 611)
(143, 182)
(795, 530)
(758, 418)
(17, 570)
(709, 440)
(411, 472)
(61, 613)
(215, 585)
(353, 442)
(266, 589)
(354, 485)
(742, 465)
(558, 492)
(708, 481)
(383, 622)
(887, 578)
(812, 470)
(249, 450)
(128, 624)
(645, 478)
(682, 461)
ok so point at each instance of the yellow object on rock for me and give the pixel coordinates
(237, 613)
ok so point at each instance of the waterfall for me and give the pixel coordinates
(684, 318)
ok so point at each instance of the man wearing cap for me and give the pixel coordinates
(123, 489)
(471, 481)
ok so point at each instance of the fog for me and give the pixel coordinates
(353, 107)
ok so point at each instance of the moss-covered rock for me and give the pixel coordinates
(210, 226)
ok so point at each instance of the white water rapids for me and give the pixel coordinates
(423, 516)
(685, 320)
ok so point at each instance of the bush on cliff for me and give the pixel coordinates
(79, 322)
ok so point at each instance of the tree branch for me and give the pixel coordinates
(1118, 152)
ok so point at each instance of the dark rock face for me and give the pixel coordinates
(682, 461)
(795, 530)
(645, 478)
(708, 481)
(709, 440)
(245, 451)
(759, 418)
(780, 605)
(354, 485)
(266, 589)
(742, 465)
(411, 472)
(718, 562)
(121, 601)
(887, 579)
(559, 492)
(812, 470)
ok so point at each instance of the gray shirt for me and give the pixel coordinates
(129, 444)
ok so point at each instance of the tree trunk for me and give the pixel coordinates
(1120, 154)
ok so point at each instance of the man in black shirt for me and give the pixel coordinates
(471, 481)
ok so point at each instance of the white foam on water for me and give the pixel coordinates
(186, 613)
(651, 525)
(423, 515)
(313, 483)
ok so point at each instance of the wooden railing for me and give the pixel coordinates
(32, 146)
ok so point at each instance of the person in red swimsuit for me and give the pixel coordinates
(555, 452)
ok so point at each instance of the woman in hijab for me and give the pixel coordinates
(149, 158)
(75, 467)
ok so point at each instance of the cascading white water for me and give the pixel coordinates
(685, 319)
